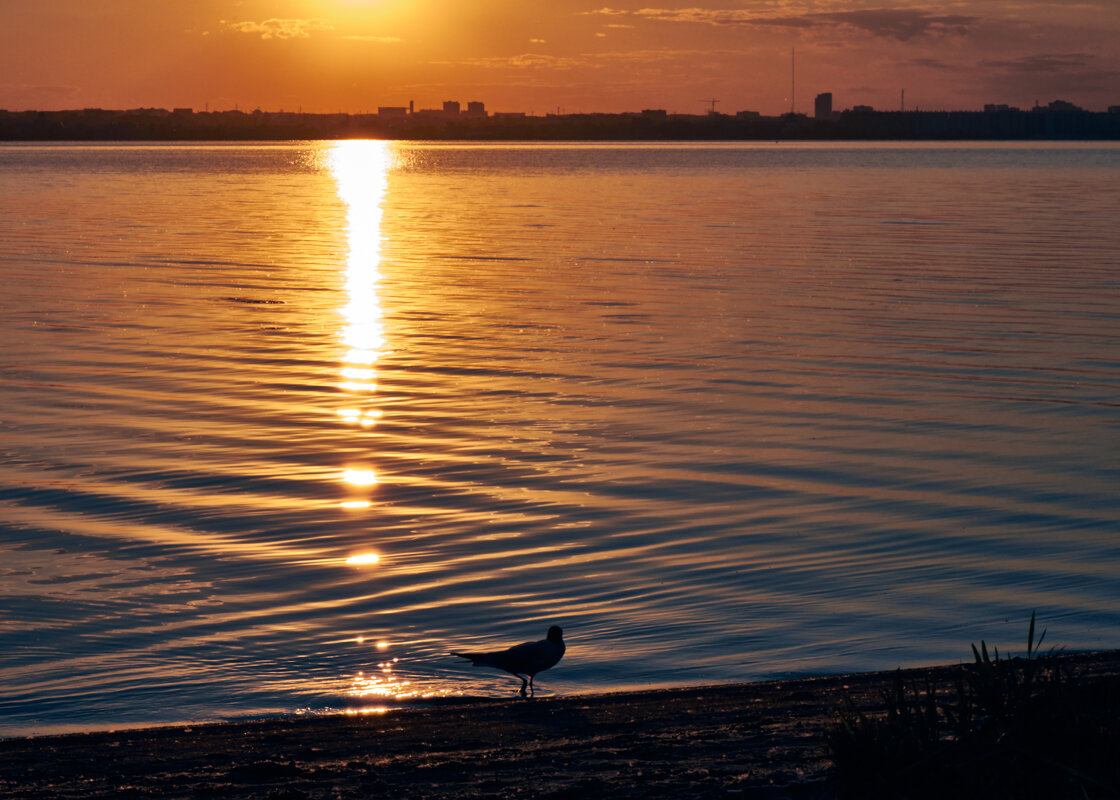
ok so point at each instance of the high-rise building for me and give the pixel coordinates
(822, 106)
(451, 107)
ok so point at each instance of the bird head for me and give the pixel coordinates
(555, 635)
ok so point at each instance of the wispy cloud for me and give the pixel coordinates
(607, 12)
(521, 61)
(379, 39)
(1054, 74)
(281, 28)
(933, 63)
(894, 23)
(1045, 63)
(655, 58)
(901, 23)
(49, 89)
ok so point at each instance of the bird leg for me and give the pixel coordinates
(532, 691)
(524, 683)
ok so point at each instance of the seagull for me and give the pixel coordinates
(524, 659)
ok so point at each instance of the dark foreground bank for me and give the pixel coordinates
(763, 740)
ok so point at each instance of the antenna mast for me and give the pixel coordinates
(792, 79)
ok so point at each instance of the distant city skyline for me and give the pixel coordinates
(821, 106)
(564, 55)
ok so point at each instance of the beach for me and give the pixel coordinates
(757, 740)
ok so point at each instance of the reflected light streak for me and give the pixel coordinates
(355, 416)
(387, 684)
(358, 374)
(358, 387)
(360, 357)
(384, 685)
(363, 559)
(361, 172)
(361, 169)
(359, 477)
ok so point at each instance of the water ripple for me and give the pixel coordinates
(285, 424)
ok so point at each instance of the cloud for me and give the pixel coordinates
(54, 89)
(902, 23)
(619, 25)
(655, 58)
(933, 63)
(1044, 63)
(1074, 76)
(537, 41)
(1057, 73)
(894, 23)
(608, 12)
(522, 61)
(381, 39)
(281, 28)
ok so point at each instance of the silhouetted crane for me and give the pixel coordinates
(713, 101)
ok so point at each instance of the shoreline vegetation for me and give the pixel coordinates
(1056, 122)
(775, 739)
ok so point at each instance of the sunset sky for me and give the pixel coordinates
(543, 55)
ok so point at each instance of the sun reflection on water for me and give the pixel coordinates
(355, 504)
(361, 170)
(359, 477)
(363, 559)
(386, 684)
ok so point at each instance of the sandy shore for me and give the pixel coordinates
(762, 740)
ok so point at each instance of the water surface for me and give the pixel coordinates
(723, 412)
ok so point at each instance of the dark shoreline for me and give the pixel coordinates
(745, 740)
(1056, 122)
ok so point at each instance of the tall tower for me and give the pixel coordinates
(792, 80)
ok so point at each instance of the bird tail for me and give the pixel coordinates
(478, 659)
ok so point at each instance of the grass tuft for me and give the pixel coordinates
(1003, 727)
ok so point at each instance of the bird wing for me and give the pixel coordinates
(528, 658)
(531, 657)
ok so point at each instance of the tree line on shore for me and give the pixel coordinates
(185, 124)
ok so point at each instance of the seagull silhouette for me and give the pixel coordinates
(524, 659)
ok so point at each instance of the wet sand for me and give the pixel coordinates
(760, 740)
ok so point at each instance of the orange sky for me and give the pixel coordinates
(543, 55)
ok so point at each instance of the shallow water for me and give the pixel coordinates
(724, 412)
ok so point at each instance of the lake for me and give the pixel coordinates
(281, 425)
